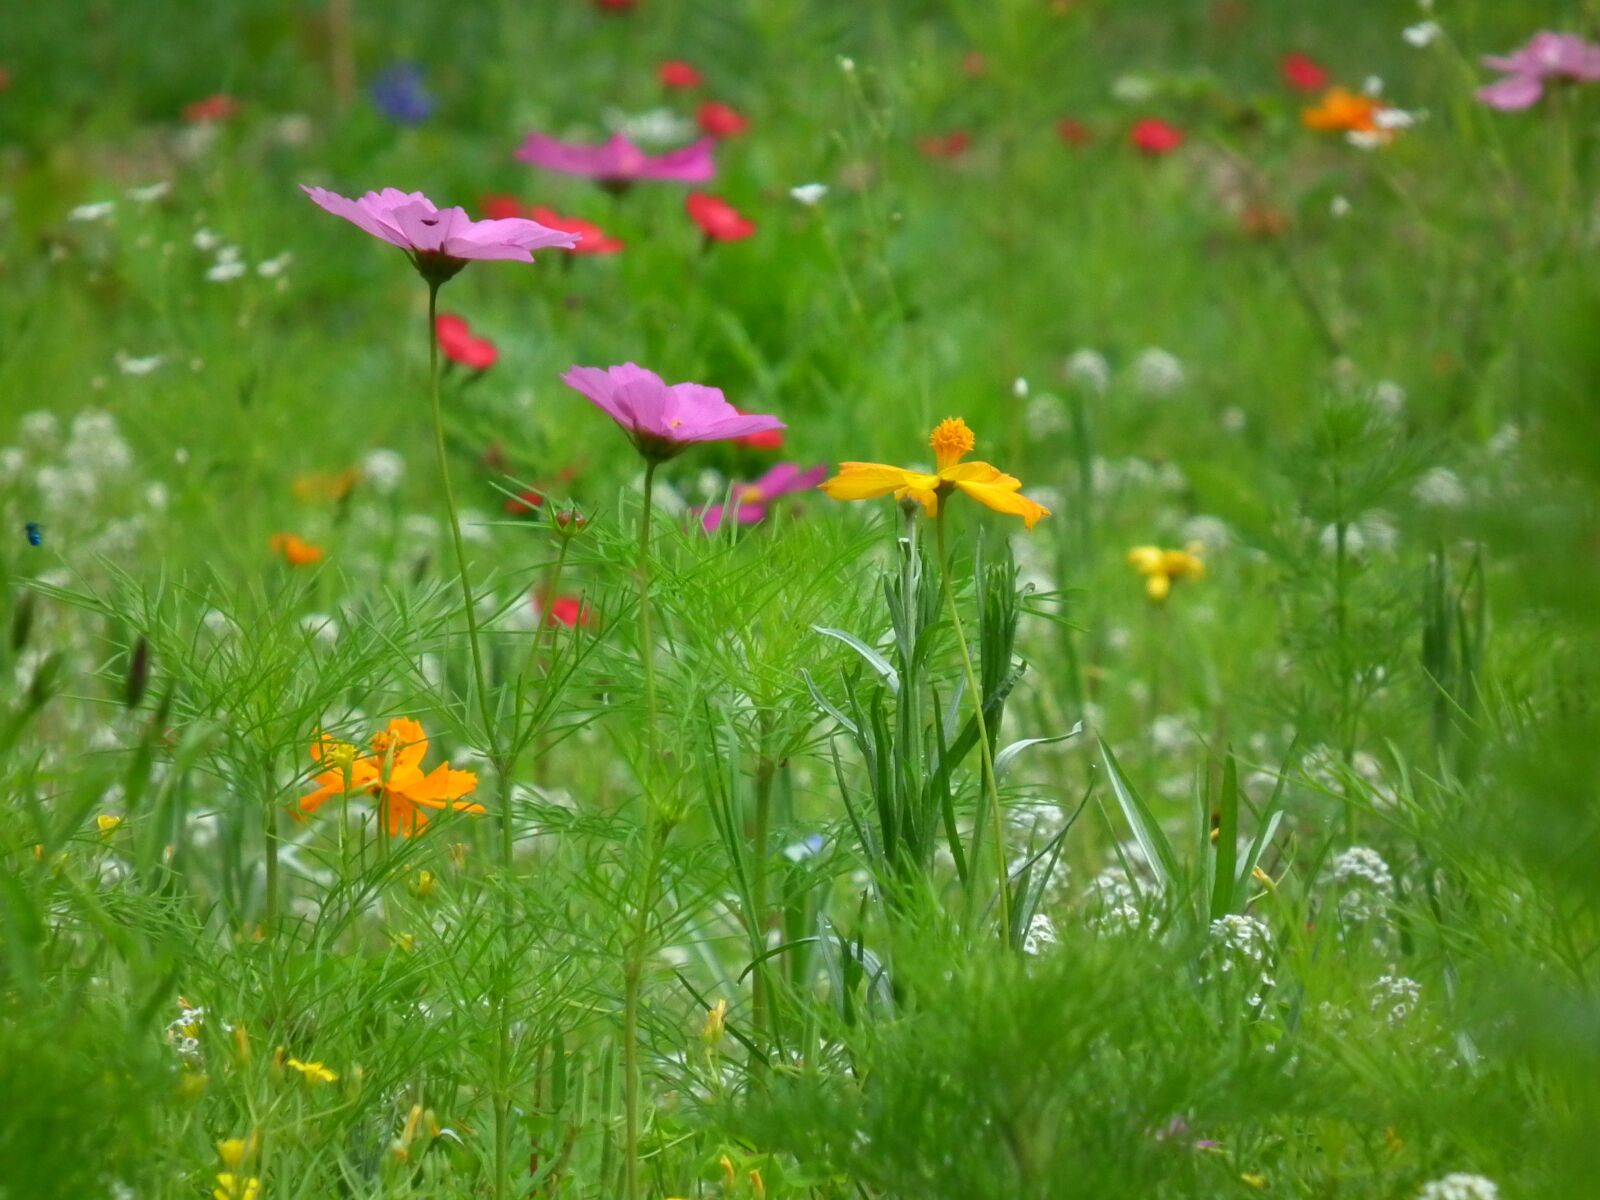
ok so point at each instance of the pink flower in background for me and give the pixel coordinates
(439, 241)
(717, 219)
(618, 162)
(1302, 72)
(1155, 137)
(458, 345)
(750, 501)
(663, 420)
(721, 120)
(675, 73)
(1546, 57)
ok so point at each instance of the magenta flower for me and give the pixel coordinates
(750, 501)
(664, 420)
(1547, 56)
(618, 162)
(439, 241)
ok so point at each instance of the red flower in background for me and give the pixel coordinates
(675, 73)
(720, 120)
(1073, 132)
(500, 208)
(459, 346)
(1303, 73)
(767, 439)
(1155, 137)
(524, 502)
(720, 221)
(563, 610)
(974, 65)
(591, 238)
(947, 145)
(213, 108)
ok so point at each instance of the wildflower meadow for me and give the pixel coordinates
(800, 600)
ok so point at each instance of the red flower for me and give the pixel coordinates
(524, 502)
(591, 238)
(948, 145)
(459, 346)
(721, 121)
(676, 73)
(1155, 137)
(563, 610)
(213, 108)
(974, 64)
(501, 208)
(1073, 131)
(1303, 73)
(721, 221)
(771, 439)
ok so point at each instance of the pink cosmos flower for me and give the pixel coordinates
(750, 501)
(717, 219)
(458, 345)
(618, 163)
(1546, 56)
(663, 420)
(439, 241)
(1155, 137)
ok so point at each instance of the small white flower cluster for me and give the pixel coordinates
(94, 455)
(1157, 373)
(383, 471)
(1041, 935)
(1364, 882)
(1440, 487)
(657, 127)
(809, 194)
(1460, 1186)
(1422, 34)
(1373, 531)
(1243, 943)
(1111, 906)
(183, 1034)
(1108, 475)
(1088, 369)
(1395, 997)
(228, 263)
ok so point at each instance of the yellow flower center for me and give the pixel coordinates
(951, 439)
(342, 755)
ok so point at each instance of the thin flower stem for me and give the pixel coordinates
(502, 1099)
(1003, 898)
(633, 967)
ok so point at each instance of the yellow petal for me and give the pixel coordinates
(864, 481)
(1004, 499)
(927, 497)
(1157, 585)
(979, 472)
(1145, 559)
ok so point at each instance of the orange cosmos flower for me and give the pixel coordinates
(1343, 111)
(951, 442)
(393, 773)
(295, 550)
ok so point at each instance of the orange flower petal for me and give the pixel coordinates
(1004, 499)
(864, 481)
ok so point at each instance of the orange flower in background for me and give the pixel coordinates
(951, 441)
(1343, 111)
(295, 550)
(393, 773)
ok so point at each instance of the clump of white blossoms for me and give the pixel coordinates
(1088, 369)
(809, 194)
(1440, 488)
(383, 470)
(1111, 906)
(1041, 935)
(1395, 997)
(1157, 373)
(1460, 1186)
(1240, 946)
(183, 1034)
(1364, 882)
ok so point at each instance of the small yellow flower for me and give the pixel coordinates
(1263, 879)
(1161, 567)
(314, 1072)
(716, 1023)
(107, 824)
(235, 1151)
(236, 1187)
(423, 884)
(404, 942)
(951, 441)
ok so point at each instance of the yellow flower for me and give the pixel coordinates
(234, 1151)
(951, 442)
(314, 1072)
(107, 824)
(423, 884)
(1160, 567)
(716, 1023)
(236, 1187)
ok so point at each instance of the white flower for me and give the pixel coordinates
(205, 240)
(847, 65)
(225, 269)
(1132, 89)
(475, 527)
(1045, 415)
(1170, 734)
(383, 470)
(271, 268)
(1089, 369)
(809, 194)
(1424, 33)
(1395, 997)
(1041, 935)
(420, 527)
(1243, 944)
(1504, 441)
(1157, 373)
(1395, 118)
(40, 428)
(1233, 419)
(93, 212)
(1363, 139)
(1363, 867)
(1459, 1186)
(138, 366)
(155, 495)
(1440, 488)
(1389, 396)
(12, 461)
(1212, 533)
(657, 127)
(1372, 85)
(150, 192)
(1339, 208)
(1111, 903)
